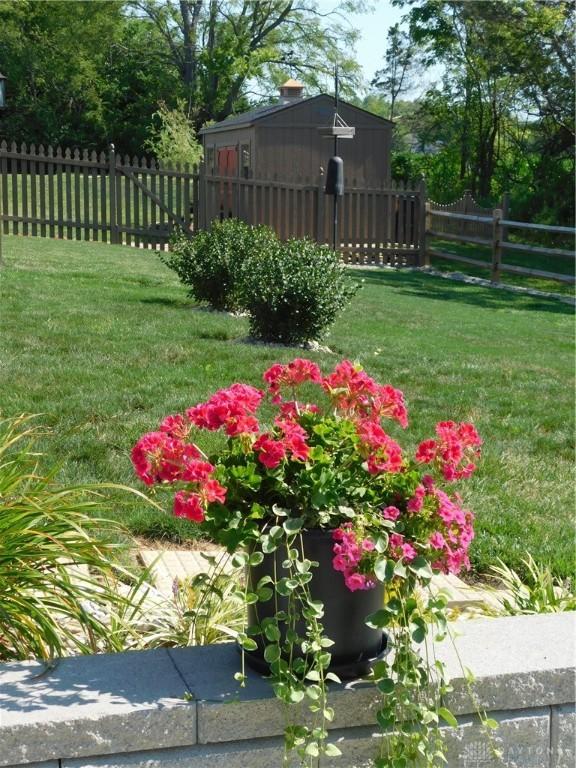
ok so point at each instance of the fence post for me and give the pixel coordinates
(423, 224)
(320, 208)
(114, 234)
(3, 172)
(496, 244)
(505, 214)
(200, 198)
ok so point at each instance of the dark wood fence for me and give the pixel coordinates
(70, 194)
(47, 192)
(467, 222)
(376, 225)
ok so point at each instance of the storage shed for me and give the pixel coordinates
(283, 141)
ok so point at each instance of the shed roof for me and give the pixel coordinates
(248, 118)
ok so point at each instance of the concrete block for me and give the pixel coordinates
(51, 764)
(518, 661)
(522, 737)
(89, 705)
(563, 737)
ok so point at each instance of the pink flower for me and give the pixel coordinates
(291, 375)
(175, 426)
(390, 402)
(212, 491)
(197, 471)
(416, 503)
(339, 563)
(157, 457)
(270, 452)
(436, 540)
(391, 513)
(426, 451)
(408, 552)
(355, 581)
(188, 505)
(368, 545)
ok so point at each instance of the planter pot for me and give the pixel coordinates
(356, 646)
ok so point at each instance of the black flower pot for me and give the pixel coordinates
(356, 646)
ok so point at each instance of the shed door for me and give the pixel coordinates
(227, 166)
(227, 161)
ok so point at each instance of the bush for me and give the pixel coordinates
(210, 263)
(293, 291)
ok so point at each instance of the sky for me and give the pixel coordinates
(373, 28)
(371, 46)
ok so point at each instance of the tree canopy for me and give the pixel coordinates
(86, 73)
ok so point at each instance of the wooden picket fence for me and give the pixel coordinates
(93, 196)
(376, 225)
(82, 195)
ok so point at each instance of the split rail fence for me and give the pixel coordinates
(465, 221)
(46, 192)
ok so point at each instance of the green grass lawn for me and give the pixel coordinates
(103, 342)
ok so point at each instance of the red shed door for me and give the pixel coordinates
(227, 166)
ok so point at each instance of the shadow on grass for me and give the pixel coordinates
(441, 289)
(165, 302)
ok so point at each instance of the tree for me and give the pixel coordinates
(53, 55)
(401, 63)
(505, 106)
(173, 140)
(218, 47)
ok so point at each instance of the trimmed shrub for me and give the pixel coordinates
(294, 291)
(209, 264)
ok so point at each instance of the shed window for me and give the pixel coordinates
(210, 159)
(246, 160)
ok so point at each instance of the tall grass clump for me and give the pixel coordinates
(48, 606)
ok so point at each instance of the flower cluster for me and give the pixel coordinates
(455, 449)
(313, 461)
(354, 557)
(164, 457)
(357, 394)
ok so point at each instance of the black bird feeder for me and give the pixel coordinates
(335, 172)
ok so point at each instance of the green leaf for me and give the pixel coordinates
(421, 567)
(293, 525)
(379, 619)
(400, 569)
(255, 558)
(386, 685)
(331, 750)
(272, 633)
(490, 723)
(448, 717)
(240, 559)
(381, 569)
(247, 643)
(272, 653)
(312, 749)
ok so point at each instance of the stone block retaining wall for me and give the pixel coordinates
(181, 708)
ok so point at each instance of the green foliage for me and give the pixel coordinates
(203, 610)
(539, 591)
(45, 529)
(295, 291)
(173, 140)
(210, 263)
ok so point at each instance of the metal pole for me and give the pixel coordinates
(335, 214)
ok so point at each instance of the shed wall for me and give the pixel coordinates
(288, 146)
